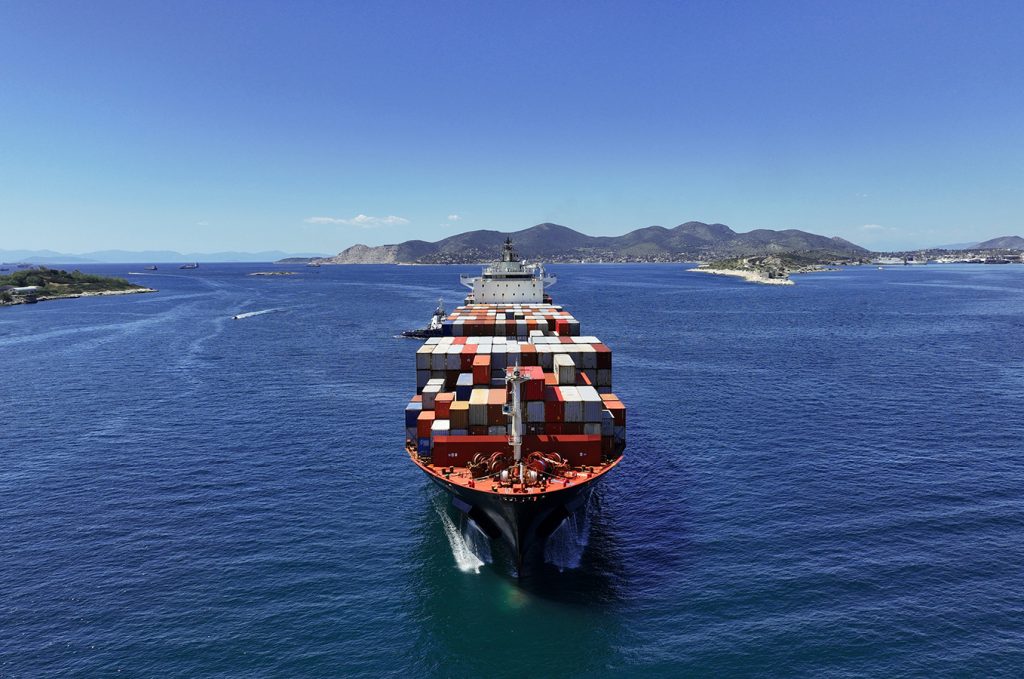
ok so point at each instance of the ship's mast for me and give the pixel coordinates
(515, 413)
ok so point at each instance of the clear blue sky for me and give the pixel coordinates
(307, 126)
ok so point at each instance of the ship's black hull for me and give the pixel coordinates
(523, 522)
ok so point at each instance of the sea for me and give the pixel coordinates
(823, 480)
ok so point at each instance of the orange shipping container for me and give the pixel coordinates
(482, 369)
(423, 423)
(443, 404)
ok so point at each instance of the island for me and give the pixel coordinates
(28, 286)
(765, 269)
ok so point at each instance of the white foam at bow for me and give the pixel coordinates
(462, 548)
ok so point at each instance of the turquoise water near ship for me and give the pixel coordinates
(821, 480)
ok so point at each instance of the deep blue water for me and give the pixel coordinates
(822, 480)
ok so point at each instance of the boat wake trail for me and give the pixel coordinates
(470, 548)
(564, 549)
(250, 314)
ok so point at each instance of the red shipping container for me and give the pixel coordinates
(528, 354)
(554, 405)
(418, 398)
(562, 327)
(552, 427)
(572, 428)
(577, 449)
(458, 451)
(443, 405)
(423, 423)
(478, 430)
(495, 401)
(533, 389)
(482, 369)
(466, 358)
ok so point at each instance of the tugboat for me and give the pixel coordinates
(151, 267)
(435, 326)
(193, 265)
(514, 415)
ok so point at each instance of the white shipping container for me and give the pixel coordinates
(588, 339)
(437, 358)
(478, 407)
(573, 404)
(458, 432)
(432, 341)
(430, 393)
(535, 411)
(564, 369)
(440, 427)
(452, 359)
(544, 357)
(588, 357)
(423, 357)
(592, 404)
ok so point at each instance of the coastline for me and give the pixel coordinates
(74, 295)
(750, 276)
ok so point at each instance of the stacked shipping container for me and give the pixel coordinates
(568, 404)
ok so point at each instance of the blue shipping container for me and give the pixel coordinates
(464, 386)
(412, 411)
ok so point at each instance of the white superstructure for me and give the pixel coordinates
(510, 281)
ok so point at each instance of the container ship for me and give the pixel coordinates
(514, 414)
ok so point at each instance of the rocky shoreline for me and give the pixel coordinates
(751, 275)
(48, 298)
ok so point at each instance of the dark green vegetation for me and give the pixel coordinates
(554, 243)
(60, 283)
(787, 262)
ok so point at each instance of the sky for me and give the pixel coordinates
(311, 126)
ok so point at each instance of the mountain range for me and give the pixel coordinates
(557, 243)
(1002, 243)
(143, 256)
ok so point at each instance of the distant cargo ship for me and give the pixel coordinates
(514, 414)
(193, 265)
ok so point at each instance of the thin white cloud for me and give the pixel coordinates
(202, 223)
(873, 227)
(454, 217)
(364, 221)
